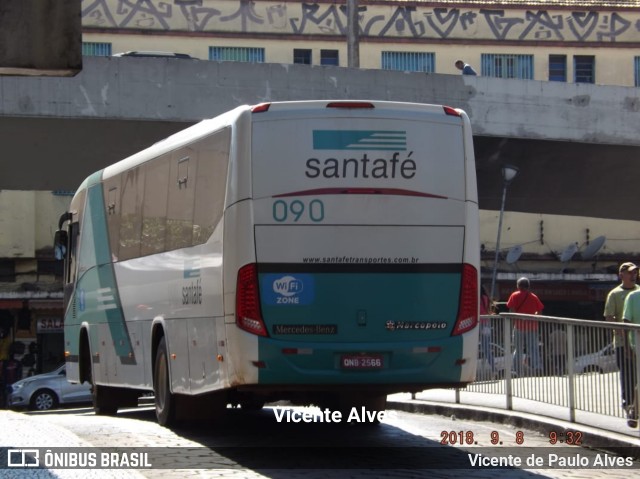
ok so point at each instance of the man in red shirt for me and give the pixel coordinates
(525, 332)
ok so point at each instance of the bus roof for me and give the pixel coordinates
(209, 126)
(175, 141)
(353, 105)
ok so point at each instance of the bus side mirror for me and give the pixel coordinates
(60, 242)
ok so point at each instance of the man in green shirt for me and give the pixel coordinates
(614, 311)
(631, 313)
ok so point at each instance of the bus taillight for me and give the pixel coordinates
(350, 104)
(468, 310)
(248, 314)
(451, 111)
(260, 107)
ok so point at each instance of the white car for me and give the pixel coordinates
(46, 391)
(603, 361)
(153, 54)
(486, 373)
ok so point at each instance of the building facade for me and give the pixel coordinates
(549, 40)
(31, 315)
(575, 41)
(587, 41)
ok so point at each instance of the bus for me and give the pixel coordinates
(319, 252)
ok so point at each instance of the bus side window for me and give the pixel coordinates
(154, 206)
(181, 198)
(213, 163)
(132, 194)
(71, 261)
(111, 192)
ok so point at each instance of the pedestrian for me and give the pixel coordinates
(525, 332)
(558, 350)
(11, 372)
(614, 311)
(485, 327)
(631, 313)
(5, 341)
(465, 68)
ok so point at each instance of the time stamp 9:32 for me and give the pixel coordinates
(461, 438)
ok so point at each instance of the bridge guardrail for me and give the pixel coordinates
(577, 377)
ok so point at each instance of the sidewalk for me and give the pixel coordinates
(441, 402)
(24, 431)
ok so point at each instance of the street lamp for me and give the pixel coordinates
(353, 35)
(509, 172)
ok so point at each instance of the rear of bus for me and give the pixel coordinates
(365, 228)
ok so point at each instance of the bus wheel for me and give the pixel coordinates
(165, 401)
(104, 403)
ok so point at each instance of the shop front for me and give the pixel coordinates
(31, 333)
(49, 329)
(567, 299)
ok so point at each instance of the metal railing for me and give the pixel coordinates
(558, 367)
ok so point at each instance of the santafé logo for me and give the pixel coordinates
(359, 140)
(384, 156)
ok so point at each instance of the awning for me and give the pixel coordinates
(11, 303)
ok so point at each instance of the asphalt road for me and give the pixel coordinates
(266, 444)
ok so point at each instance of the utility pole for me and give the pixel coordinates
(353, 41)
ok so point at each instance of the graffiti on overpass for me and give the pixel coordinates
(378, 21)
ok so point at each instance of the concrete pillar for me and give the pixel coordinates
(40, 37)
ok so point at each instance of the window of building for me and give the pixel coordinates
(302, 56)
(94, 49)
(558, 68)
(409, 61)
(50, 267)
(7, 271)
(584, 67)
(507, 66)
(329, 57)
(636, 71)
(236, 54)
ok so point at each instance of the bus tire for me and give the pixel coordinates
(165, 401)
(104, 403)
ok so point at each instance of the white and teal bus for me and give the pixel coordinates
(321, 252)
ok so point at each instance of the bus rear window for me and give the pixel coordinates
(360, 156)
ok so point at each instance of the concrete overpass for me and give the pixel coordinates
(577, 145)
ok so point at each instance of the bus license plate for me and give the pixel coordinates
(369, 361)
